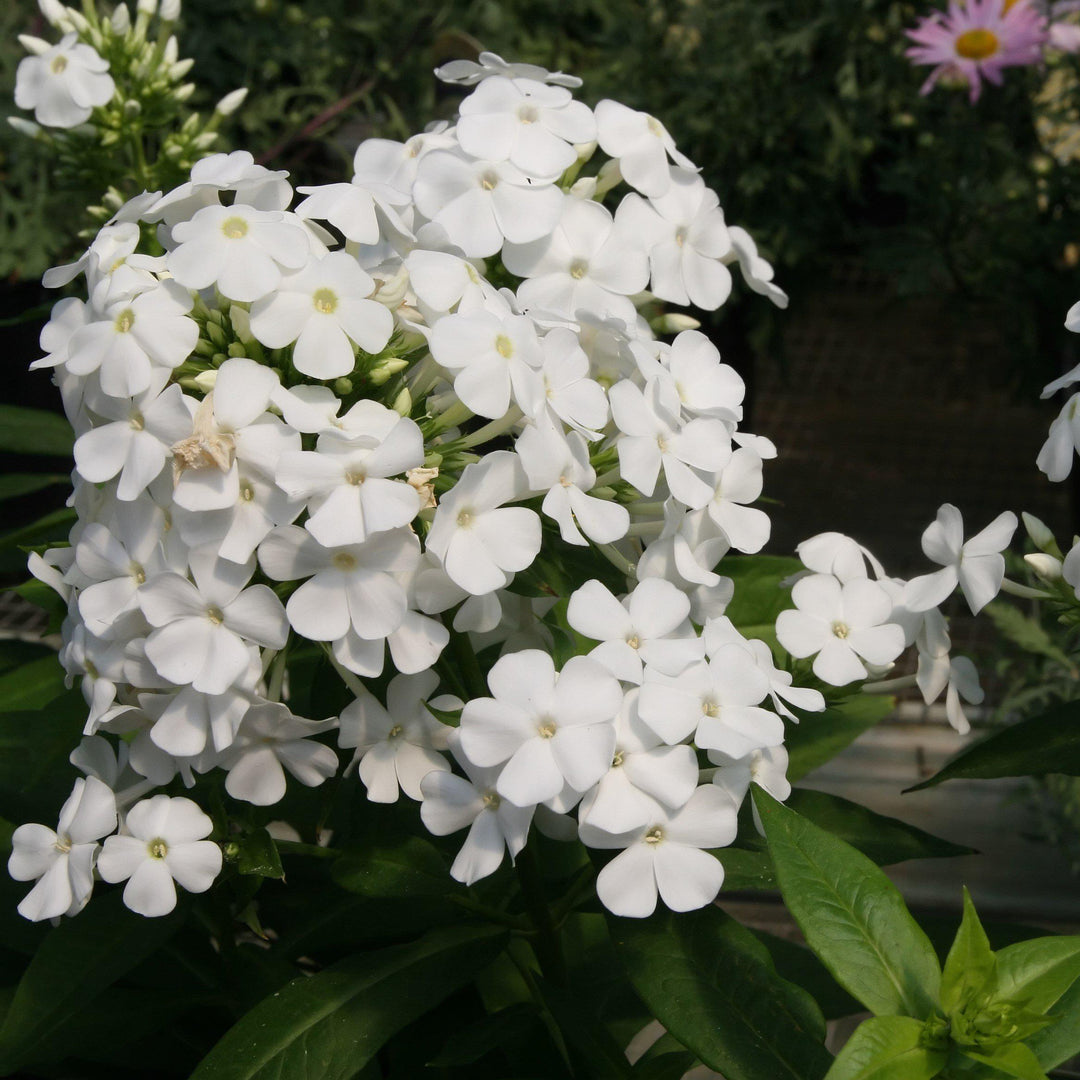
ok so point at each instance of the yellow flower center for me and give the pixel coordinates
(124, 321)
(465, 519)
(654, 836)
(395, 731)
(325, 301)
(488, 180)
(215, 615)
(158, 848)
(58, 64)
(344, 560)
(547, 729)
(841, 629)
(234, 228)
(504, 346)
(976, 44)
(492, 801)
(578, 269)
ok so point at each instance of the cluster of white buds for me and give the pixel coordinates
(111, 81)
(388, 421)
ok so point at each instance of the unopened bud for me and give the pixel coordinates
(231, 102)
(121, 19)
(169, 10)
(585, 188)
(109, 138)
(1040, 535)
(54, 11)
(171, 53)
(674, 322)
(34, 45)
(1044, 566)
(181, 68)
(205, 140)
(403, 402)
(585, 150)
(205, 381)
(131, 108)
(78, 20)
(146, 7)
(182, 93)
(343, 386)
(609, 176)
(24, 126)
(383, 372)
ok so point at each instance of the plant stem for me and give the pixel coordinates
(887, 686)
(1014, 588)
(546, 944)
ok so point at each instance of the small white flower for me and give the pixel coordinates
(756, 272)
(164, 841)
(64, 84)
(844, 624)
(666, 857)
(642, 145)
(977, 565)
(62, 862)
(550, 729)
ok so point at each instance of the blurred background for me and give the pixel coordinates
(930, 246)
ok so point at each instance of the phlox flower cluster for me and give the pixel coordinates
(973, 40)
(381, 422)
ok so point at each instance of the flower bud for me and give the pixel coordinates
(146, 7)
(609, 176)
(78, 20)
(585, 151)
(343, 386)
(169, 10)
(383, 371)
(131, 108)
(171, 52)
(403, 402)
(231, 102)
(25, 127)
(181, 68)
(54, 12)
(182, 93)
(1044, 566)
(674, 322)
(205, 140)
(121, 20)
(1040, 535)
(585, 188)
(34, 45)
(205, 381)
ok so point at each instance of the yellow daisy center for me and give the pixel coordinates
(977, 44)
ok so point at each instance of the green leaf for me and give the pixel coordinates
(1061, 1039)
(819, 737)
(970, 962)
(410, 867)
(1048, 743)
(758, 597)
(1013, 1059)
(75, 963)
(32, 686)
(799, 965)
(714, 987)
(853, 917)
(476, 1041)
(884, 839)
(255, 853)
(673, 1065)
(1036, 973)
(887, 1048)
(15, 484)
(593, 1046)
(34, 431)
(745, 869)
(330, 1025)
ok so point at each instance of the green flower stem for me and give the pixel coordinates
(492, 430)
(617, 559)
(887, 686)
(1014, 588)
(546, 944)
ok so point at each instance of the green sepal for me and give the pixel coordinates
(888, 1048)
(970, 965)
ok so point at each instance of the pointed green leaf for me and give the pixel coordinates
(1014, 1059)
(1061, 1039)
(887, 1048)
(589, 1040)
(331, 1024)
(714, 987)
(970, 962)
(853, 917)
(255, 853)
(34, 431)
(411, 867)
(74, 963)
(470, 1044)
(1048, 743)
(819, 737)
(1036, 973)
(758, 597)
(15, 484)
(32, 686)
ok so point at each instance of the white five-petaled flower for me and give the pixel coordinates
(977, 565)
(164, 841)
(665, 856)
(551, 729)
(642, 145)
(64, 84)
(324, 308)
(844, 624)
(62, 862)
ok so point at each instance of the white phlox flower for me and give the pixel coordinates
(64, 84)
(560, 466)
(397, 746)
(666, 857)
(644, 771)
(163, 844)
(489, 64)
(650, 625)
(346, 481)
(269, 741)
(976, 565)
(766, 767)
(1056, 456)
(202, 628)
(756, 271)
(496, 826)
(324, 309)
(706, 387)
(839, 555)
(845, 624)
(550, 729)
(526, 122)
(739, 482)
(62, 862)
(642, 146)
(480, 541)
(570, 395)
(958, 677)
(589, 260)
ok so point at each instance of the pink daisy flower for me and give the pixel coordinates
(977, 40)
